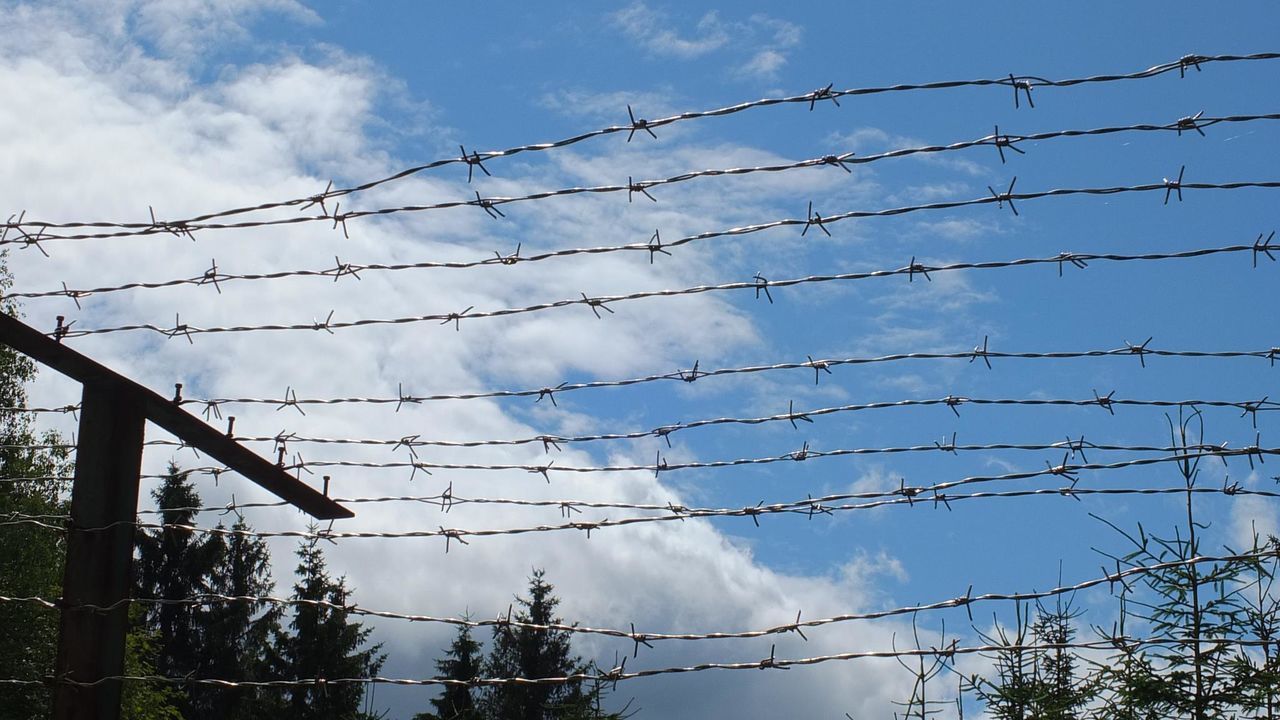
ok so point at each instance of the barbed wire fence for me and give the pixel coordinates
(1071, 475)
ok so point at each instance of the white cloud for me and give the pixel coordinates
(276, 129)
(649, 29)
(763, 40)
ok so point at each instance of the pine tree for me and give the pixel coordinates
(461, 662)
(31, 557)
(520, 651)
(324, 644)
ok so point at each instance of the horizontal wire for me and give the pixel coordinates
(448, 499)
(999, 141)
(281, 440)
(212, 405)
(1023, 83)
(1120, 576)
(809, 505)
(691, 375)
(1119, 643)
(758, 284)
(1106, 402)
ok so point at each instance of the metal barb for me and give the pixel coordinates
(825, 93)
(1190, 122)
(638, 124)
(981, 352)
(814, 219)
(762, 283)
(1003, 141)
(1006, 196)
(655, 246)
(487, 205)
(914, 267)
(473, 161)
(638, 187)
(1174, 185)
(1023, 85)
(1264, 247)
(1140, 350)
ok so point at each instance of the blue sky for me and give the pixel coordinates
(190, 108)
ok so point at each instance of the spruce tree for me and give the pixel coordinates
(237, 633)
(520, 651)
(462, 661)
(175, 563)
(325, 644)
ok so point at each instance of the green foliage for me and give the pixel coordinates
(520, 651)
(1037, 681)
(325, 644)
(145, 701)
(461, 662)
(174, 564)
(31, 557)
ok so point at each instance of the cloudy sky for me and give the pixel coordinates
(117, 109)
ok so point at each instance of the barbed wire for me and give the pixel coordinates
(695, 373)
(214, 276)
(1108, 402)
(758, 284)
(448, 499)
(619, 672)
(1120, 576)
(185, 227)
(659, 466)
(810, 506)
(212, 406)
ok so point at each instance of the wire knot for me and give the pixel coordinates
(473, 161)
(1140, 350)
(1259, 246)
(1006, 196)
(488, 206)
(638, 187)
(638, 124)
(840, 161)
(825, 93)
(1187, 61)
(812, 220)
(1189, 123)
(1171, 186)
(596, 305)
(1004, 141)
(762, 283)
(456, 318)
(1066, 257)
(1025, 86)
(914, 267)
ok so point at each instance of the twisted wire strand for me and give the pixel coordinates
(842, 160)
(691, 375)
(1120, 576)
(1069, 445)
(1022, 83)
(618, 673)
(595, 304)
(810, 506)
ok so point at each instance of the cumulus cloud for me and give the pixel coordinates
(276, 129)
